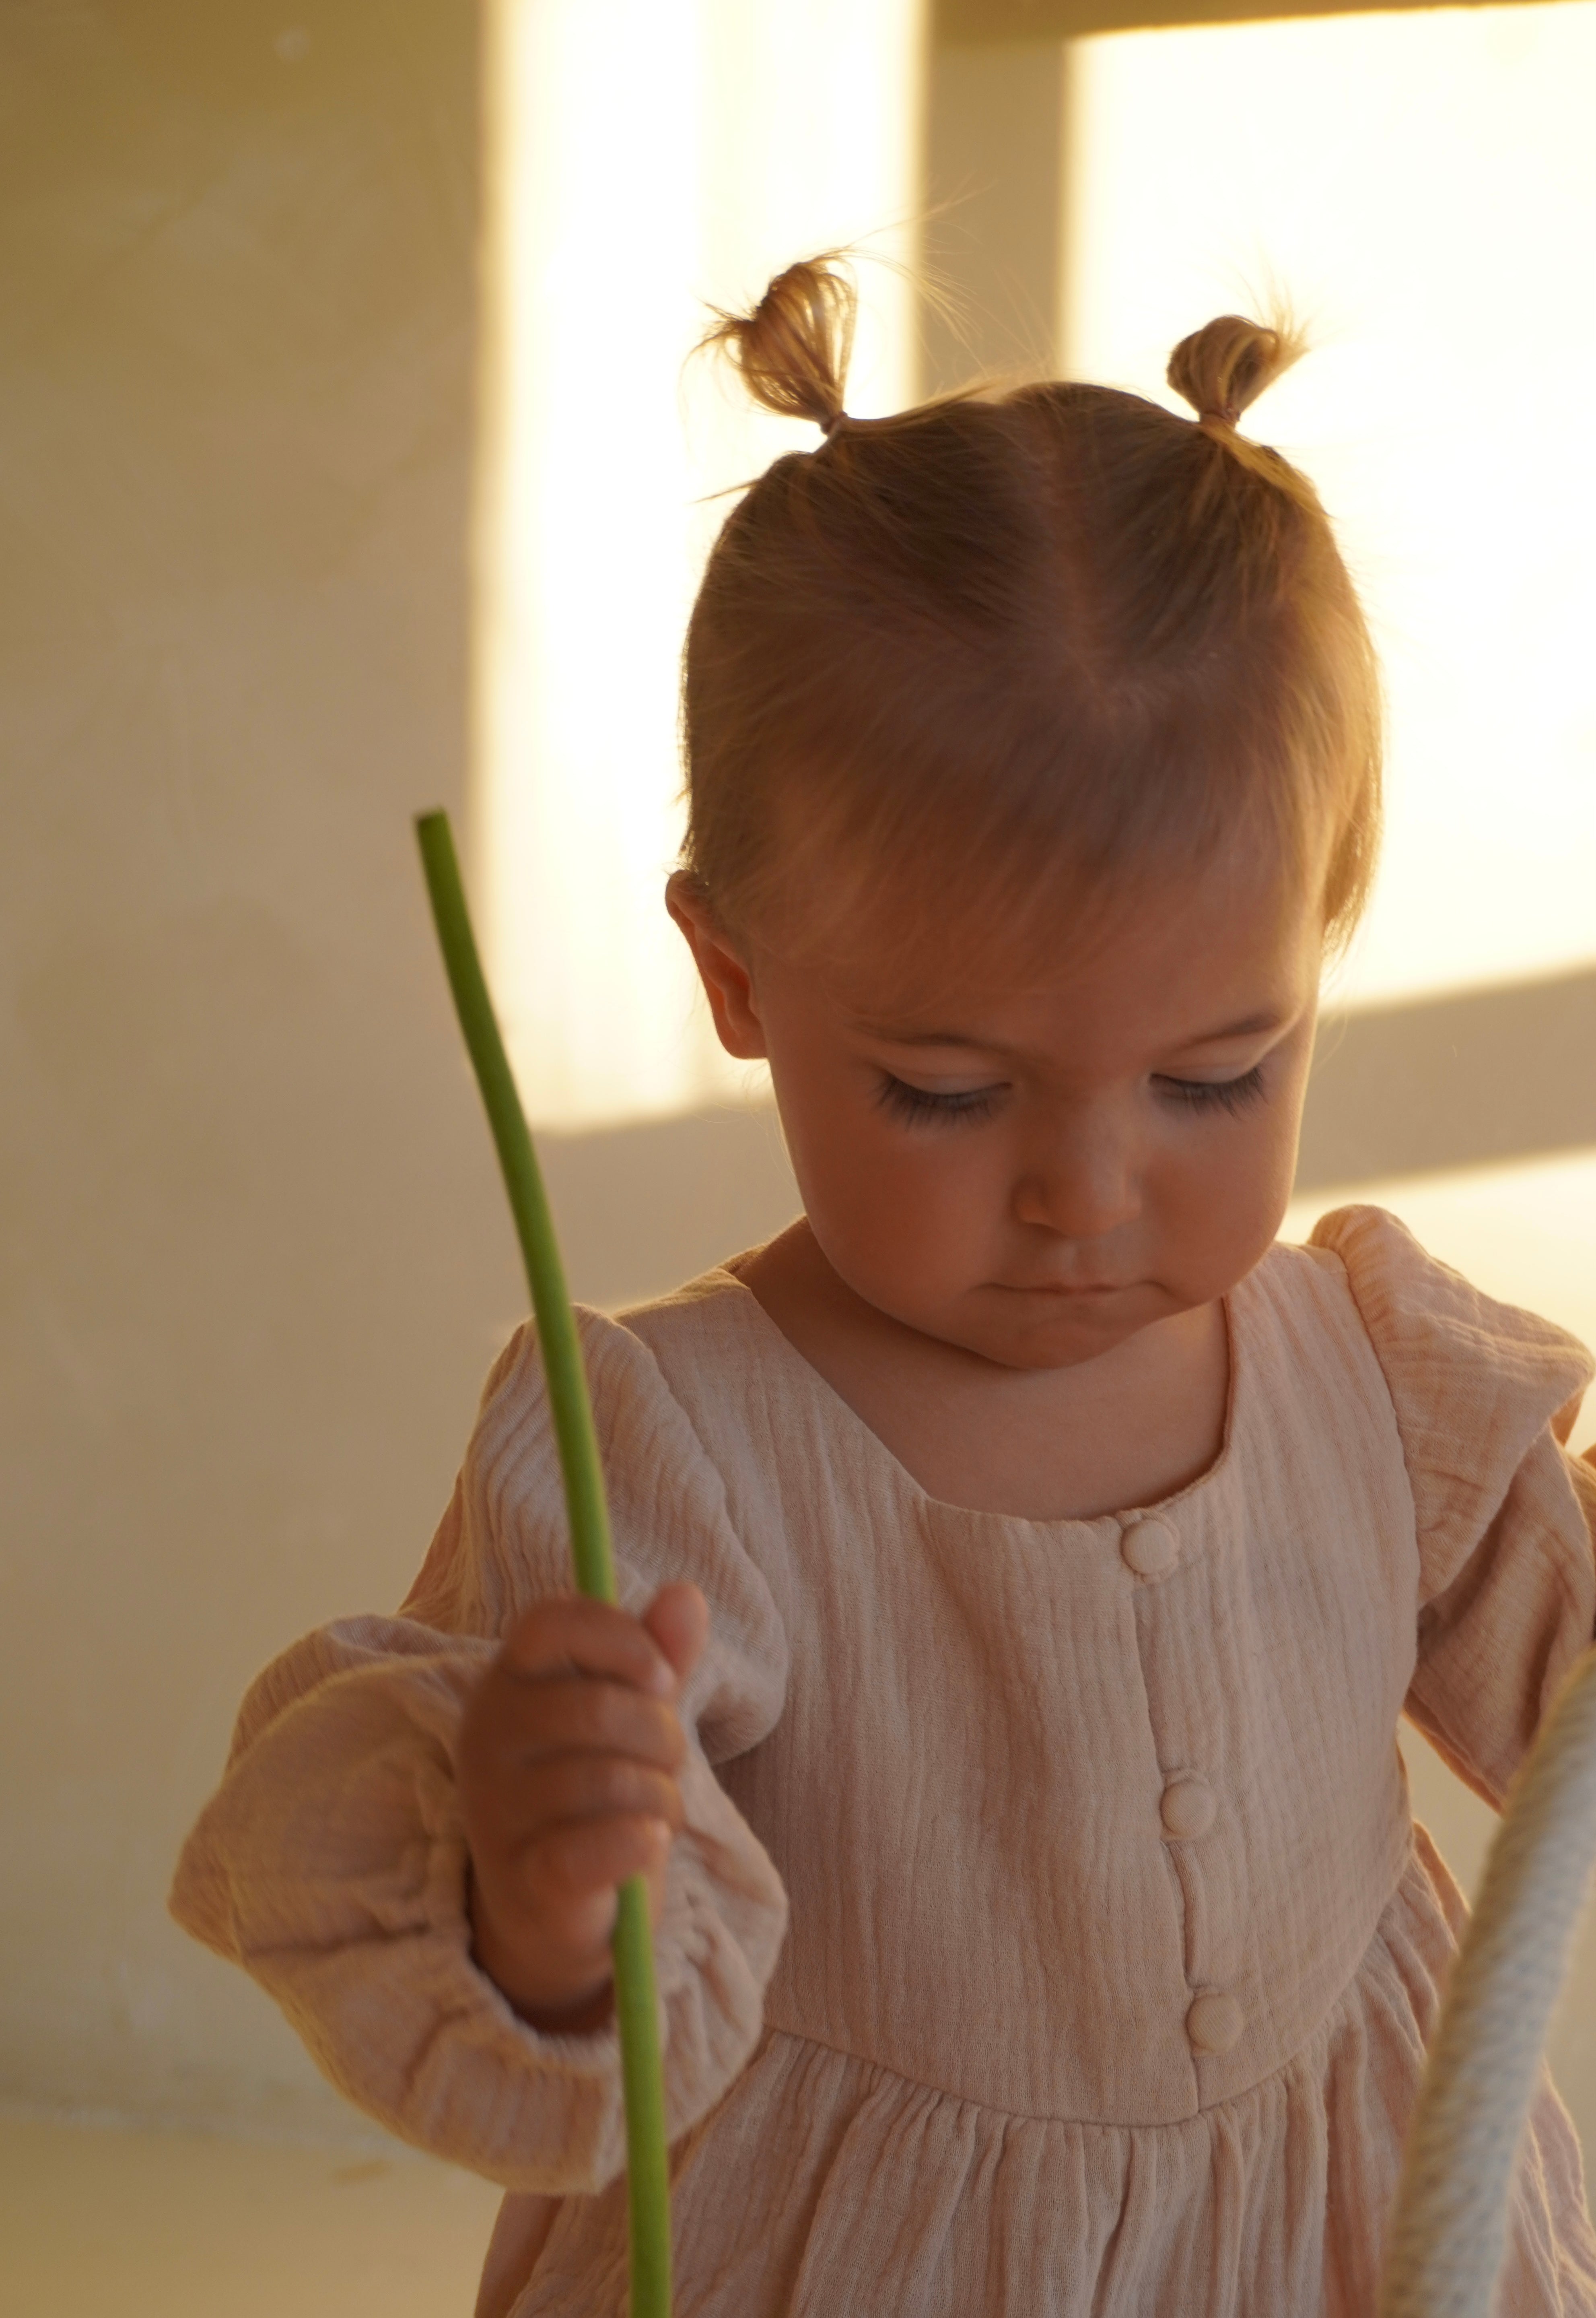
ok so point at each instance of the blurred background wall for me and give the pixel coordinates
(252, 1258)
(347, 466)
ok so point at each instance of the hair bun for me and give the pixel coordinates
(1227, 364)
(792, 350)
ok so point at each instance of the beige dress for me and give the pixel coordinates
(1113, 1947)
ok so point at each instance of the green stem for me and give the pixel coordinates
(636, 2006)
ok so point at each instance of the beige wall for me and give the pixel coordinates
(251, 1259)
(255, 1260)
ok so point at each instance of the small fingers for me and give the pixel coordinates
(677, 1619)
(568, 1754)
(570, 1872)
(575, 1788)
(525, 1724)
(575, 1636)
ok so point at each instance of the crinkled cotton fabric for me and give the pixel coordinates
(1112, 1948)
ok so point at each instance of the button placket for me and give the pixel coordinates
(1214, 2022)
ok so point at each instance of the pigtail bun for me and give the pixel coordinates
(1227, 364)
(792, 350)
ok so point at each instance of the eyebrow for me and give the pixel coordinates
(1250, 1026)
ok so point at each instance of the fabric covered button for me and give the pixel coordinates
(1188, 1808)
(1214, 2022)
(1149, 1548)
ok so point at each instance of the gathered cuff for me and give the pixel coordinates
(332, 1866)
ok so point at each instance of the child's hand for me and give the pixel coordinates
(569, 1753)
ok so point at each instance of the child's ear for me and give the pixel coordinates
(727, 983)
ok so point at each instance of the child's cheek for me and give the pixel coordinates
(938, 1211)
(905, 1217)
(1224, 1214)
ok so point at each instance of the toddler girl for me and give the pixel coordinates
(1025, 1560)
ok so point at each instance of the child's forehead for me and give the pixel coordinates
(1220, 948)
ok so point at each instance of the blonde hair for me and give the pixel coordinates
(1014, 637)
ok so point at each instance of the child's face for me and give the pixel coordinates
(1039, 1165)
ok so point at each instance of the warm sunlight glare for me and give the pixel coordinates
(646, 161)
(1422, 188)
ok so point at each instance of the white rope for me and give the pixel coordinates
(1449, 2226)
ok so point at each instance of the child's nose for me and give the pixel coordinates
(1080, 1188)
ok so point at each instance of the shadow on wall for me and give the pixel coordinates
(642, 1208)
(1470, 1080)
(1483, 1077)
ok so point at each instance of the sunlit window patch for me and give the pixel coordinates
(592, 432)
(1207, 167)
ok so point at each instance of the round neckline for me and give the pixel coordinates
(829, 1397)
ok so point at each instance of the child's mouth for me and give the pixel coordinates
(1069, 1288)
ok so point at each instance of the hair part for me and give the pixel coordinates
(1009, 647)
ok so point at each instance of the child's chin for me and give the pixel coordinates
(1064, 1332)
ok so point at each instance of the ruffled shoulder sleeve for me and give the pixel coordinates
(331, 1862)
(1484, 1395)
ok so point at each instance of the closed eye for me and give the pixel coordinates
(921, 1108)
(1234, 1095)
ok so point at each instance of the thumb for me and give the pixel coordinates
(679, 1620)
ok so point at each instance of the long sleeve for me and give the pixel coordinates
(1483, 1396)
(331, 1862)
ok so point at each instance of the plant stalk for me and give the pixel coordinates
(636, 2004)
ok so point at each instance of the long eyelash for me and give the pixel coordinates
(922, 1108)
(1234, 1095)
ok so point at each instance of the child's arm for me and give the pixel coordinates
(333, 1862)
(1485, 1396)
(1507, 1619)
